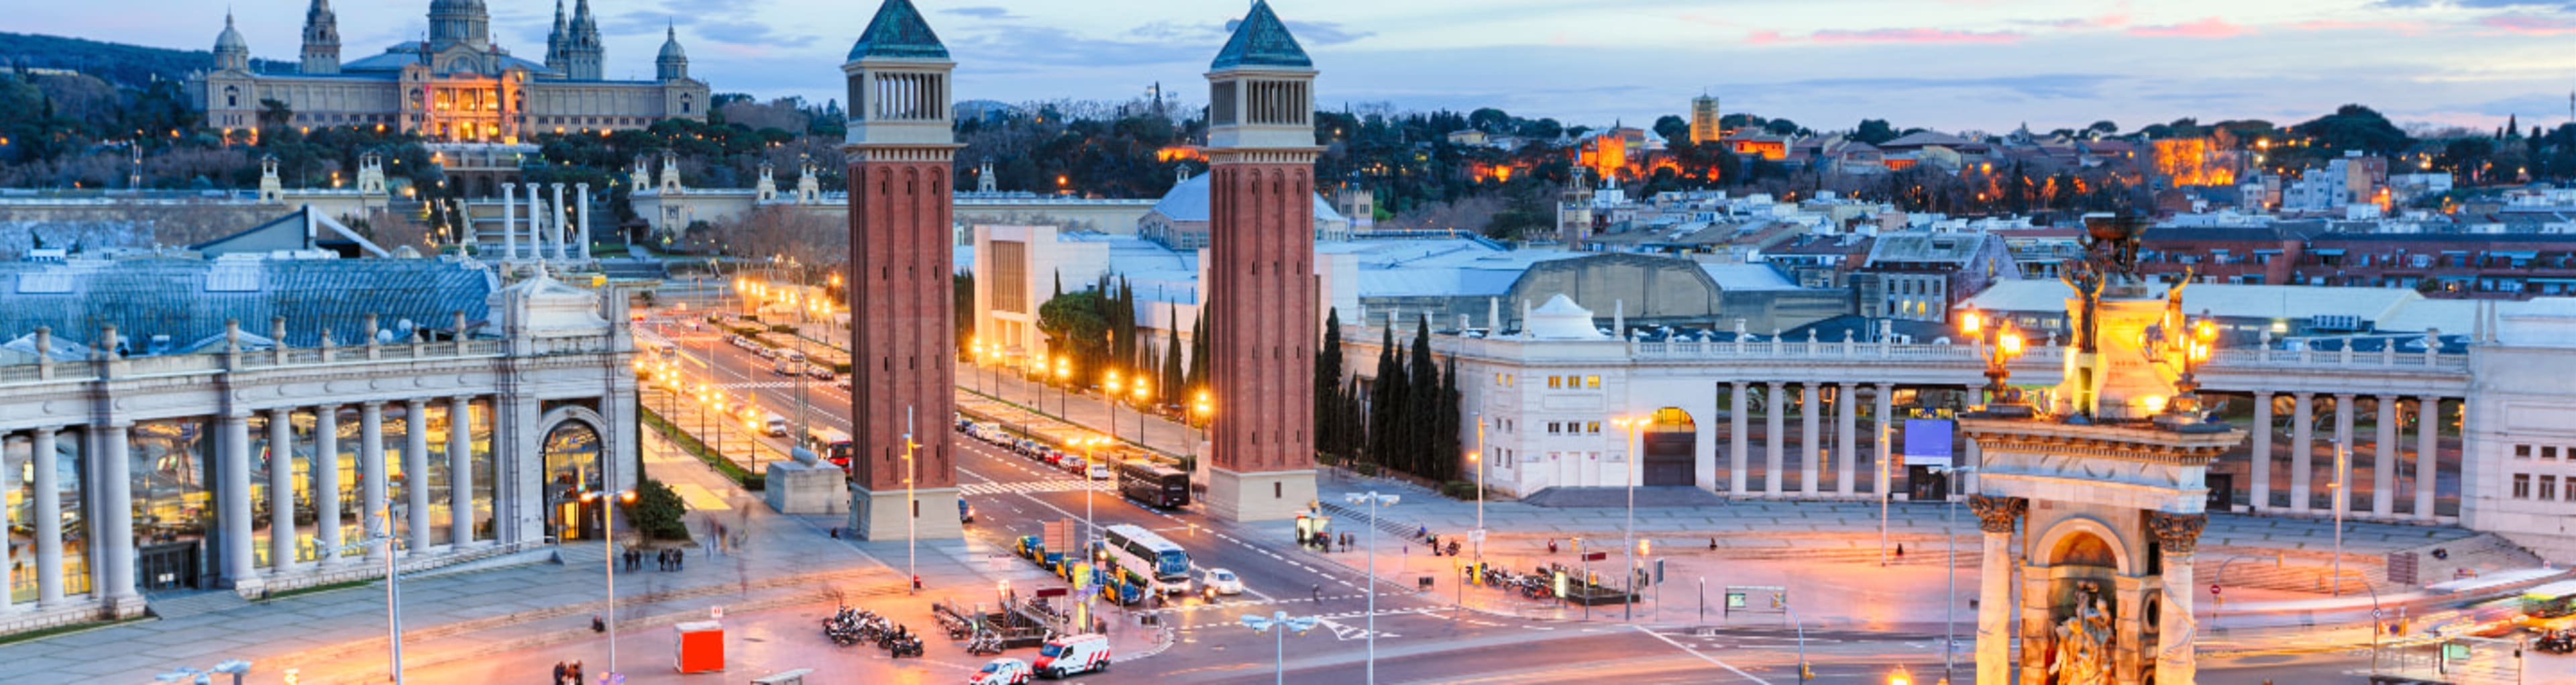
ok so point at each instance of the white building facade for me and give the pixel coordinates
(172, 449)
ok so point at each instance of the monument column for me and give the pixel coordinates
(1775, 435)
(1996, 517)
(232, 500)
(1739, 425)
(2302, 448)
(416, 474)
(900, 148)
(460, 471)
(2261, 488)
(1846, 436)
(2177, 535)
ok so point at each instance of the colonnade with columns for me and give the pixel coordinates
(2386, 450)
(105, 486)
(570, 242)
(1847, 398)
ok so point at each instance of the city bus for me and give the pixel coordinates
(831, 445)
(1137, 549)
(1153, 485)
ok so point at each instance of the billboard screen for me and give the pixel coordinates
(1927, 442)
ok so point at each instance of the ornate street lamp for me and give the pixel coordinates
(2001, 342)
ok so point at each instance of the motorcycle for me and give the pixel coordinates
(985, 643)
(907, 645)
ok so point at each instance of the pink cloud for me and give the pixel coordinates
(1764, 37)
(2212, 27)
(2529, 25)
(2337, 25)
(1914, 36)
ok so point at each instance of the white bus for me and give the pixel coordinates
(1165, 564)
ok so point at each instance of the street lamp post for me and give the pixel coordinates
(1109, 403)
(2342, 467)
(1090, 455)
(1205, 413)
(1063, 375)
(608, 544)
(1285, 623)
(1144, 401)
(1635, 425)
(1950, 605)
(1374, 500)
(911, 508)
(380, 530)
(1478, 459)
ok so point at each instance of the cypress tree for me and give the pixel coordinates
(1198, 378)
(1422, 407)
(1328, 382)
(1172, 381)
(1386, 403)
(1447, 452)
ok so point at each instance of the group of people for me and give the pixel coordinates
(1323, 542)
(567, 674)
(666, 560)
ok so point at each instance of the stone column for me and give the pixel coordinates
(416, 470)
(1996, 516)
(1883, 410)
(536, 223)
(1775, 430)
(1846, 435)
(2428, 442)
(2177, 535)
(2341, 464)
(584, 228)
(2261, 489)
(510, 221)
(2302, 449)
(48, 483)
(460, 470)
(371, 467)
(1809, 471)
(232, 499)
(556, 213)
(114, 528)
(326, 484)
(281, 490)
(1739, 419)
(2385, 455)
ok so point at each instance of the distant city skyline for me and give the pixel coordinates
(1987, 65)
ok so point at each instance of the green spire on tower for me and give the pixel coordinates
(898, 31)
(1261, 41)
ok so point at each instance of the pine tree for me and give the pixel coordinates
(1423, 405)
(1198, 364)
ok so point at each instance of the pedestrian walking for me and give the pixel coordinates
(560, 672)
(1551, 545)
(1319, 592)
(679, 560)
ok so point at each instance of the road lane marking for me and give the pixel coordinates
(1705, 657)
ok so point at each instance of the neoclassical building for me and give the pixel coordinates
(456, 86)
(176, 422)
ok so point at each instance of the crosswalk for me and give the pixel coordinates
(1034, 487)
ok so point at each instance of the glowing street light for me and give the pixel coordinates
(1285, 623)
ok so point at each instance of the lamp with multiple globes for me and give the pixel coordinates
(2002, 343)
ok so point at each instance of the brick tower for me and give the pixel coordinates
(901, 333)
(1261, 277)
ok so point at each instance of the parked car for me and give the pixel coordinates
(1100, 472)
(820, 372)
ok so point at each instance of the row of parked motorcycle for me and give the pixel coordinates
(850, 626)
(1530, 586)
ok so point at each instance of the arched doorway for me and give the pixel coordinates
(1671, 439)
(572, 455)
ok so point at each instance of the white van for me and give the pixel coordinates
(774, 425)
(1073, 654)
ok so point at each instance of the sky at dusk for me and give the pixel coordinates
(1947, 64)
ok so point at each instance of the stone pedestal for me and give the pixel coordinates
(797, 488)
(1264, 496)
(879, 515)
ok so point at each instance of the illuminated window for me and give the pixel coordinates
(1592, 381)
(1555, 382)
(1592, 427)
